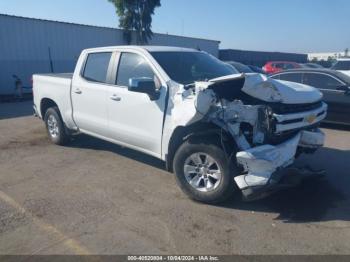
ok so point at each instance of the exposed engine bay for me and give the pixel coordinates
(269, 120)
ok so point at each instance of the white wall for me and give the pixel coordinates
(25, 43)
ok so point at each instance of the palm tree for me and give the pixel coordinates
(136, 15)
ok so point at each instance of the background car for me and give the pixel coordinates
(278, 66)
(241, 68)
(342, 65)
(334, 85)
(257, 69)
(312, 65)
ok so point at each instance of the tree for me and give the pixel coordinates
(136, 15)
(331, 59)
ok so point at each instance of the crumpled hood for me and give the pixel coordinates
(271, 90)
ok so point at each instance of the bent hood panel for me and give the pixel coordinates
(271, 90)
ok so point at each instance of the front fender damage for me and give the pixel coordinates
(213, 102)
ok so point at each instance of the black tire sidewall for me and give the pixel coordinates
(227, 185)
(62, 137)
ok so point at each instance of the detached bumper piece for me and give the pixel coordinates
(281, 179)
(265, 166)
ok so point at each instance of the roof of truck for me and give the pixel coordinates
(149, 48)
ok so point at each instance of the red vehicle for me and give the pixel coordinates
(278, 66)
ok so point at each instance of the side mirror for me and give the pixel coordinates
(344, 88)
(144, 85)
(347, 91)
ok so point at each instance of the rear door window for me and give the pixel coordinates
(321, 81)
(292, 77)
(288, 66)
(96, 67)
(278, 65)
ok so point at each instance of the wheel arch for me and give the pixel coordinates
(195, 132)
(45, 104)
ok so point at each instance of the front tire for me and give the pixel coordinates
(55, 126)
(203, 171)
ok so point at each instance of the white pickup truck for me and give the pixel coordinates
(217, 130)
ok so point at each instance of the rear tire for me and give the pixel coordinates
(56, 129)
(194, 165)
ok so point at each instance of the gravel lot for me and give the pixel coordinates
(93, 197)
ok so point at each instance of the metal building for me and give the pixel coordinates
(30, 46)
(258, 58)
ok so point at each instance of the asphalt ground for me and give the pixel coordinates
(94, 197)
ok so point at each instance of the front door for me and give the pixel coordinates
(339, 105)
(133, 118)
(334, 94)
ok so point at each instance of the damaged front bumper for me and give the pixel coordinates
(264, 166)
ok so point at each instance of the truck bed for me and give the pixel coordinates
(57, 88)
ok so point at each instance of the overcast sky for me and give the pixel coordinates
(271, 25)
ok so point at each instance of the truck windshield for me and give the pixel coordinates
(188, 67)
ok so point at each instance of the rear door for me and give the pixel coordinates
(336, 98)
(89, 94)
(135, 120)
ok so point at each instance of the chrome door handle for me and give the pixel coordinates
(78, 91)
(116, 98)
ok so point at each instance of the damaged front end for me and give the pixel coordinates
(270, 121)
(264, 166)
